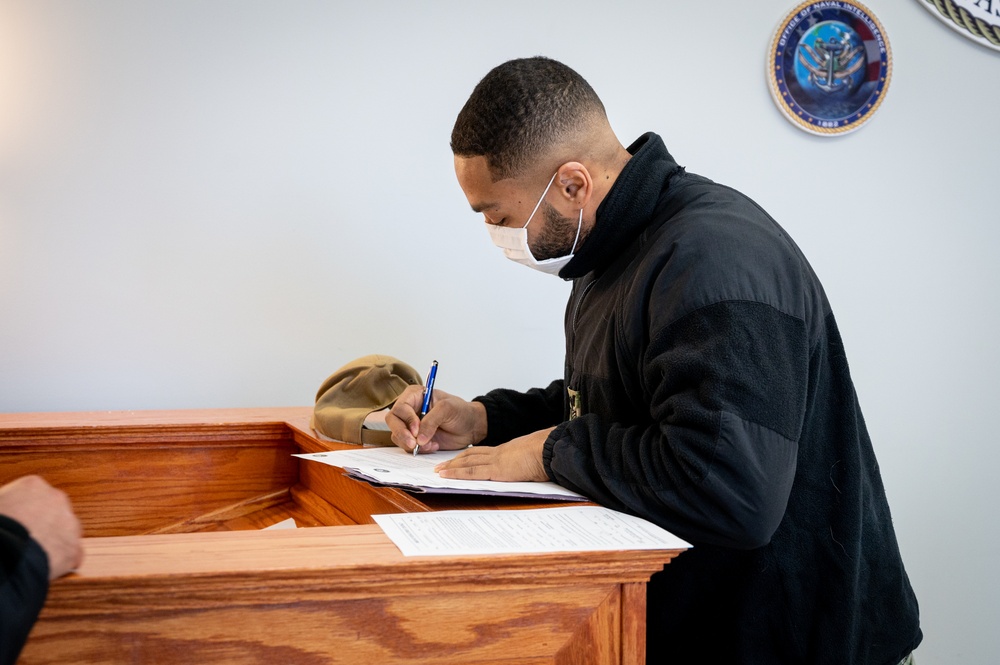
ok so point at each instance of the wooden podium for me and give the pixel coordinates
(178, 570)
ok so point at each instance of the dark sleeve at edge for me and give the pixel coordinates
(23, 587)
(510, 414)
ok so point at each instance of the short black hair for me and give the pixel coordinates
(519, 109)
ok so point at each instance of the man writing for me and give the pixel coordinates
(705, 386)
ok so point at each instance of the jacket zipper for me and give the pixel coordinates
(576, 317)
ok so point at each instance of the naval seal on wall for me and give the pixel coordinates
(829, 66)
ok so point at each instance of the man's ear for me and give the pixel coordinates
(575, 185)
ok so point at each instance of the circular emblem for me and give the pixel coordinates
(979, 21)
(829, 66)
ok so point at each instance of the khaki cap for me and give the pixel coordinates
(364, 385)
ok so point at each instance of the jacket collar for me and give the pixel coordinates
(628, 206)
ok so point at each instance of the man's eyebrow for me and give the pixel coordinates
(479, 207)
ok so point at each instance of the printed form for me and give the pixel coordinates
(561, 529)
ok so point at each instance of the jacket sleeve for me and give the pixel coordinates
(24, 583)
(726, 389)
(510, 414)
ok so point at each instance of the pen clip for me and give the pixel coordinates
(429, 389)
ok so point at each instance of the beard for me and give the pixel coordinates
(557, 236)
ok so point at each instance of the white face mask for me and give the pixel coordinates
(514, 241)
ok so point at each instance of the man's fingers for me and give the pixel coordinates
(442, 411)
(517, 460)
(450, 423)
(472, 464)
(47, 513)
(468, 473)
(403, 419)
(430, 423)
(400, 434)
(472, 471)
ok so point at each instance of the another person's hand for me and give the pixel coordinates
(48, 516)
(519, 459)
(450, 424)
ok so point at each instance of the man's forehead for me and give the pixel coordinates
(476, 180)
(474, 171)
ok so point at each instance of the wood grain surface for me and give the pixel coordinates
(178, 570)
(336, 594)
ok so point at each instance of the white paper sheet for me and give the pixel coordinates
(564, 529)
(394, 466)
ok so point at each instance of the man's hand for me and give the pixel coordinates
(519, 459)
(451, 423)
(48, 516)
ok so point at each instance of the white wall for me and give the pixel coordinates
(215, 204)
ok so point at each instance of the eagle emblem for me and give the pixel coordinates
(831, 64)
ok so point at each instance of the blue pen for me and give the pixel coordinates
(428, 393)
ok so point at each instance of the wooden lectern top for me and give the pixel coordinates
(176, 568)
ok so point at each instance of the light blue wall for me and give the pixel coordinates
(215, 204)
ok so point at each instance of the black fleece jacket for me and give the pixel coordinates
(24, 583)
(713, 397)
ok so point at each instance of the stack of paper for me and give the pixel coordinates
(393, 466)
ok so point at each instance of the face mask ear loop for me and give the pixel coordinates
(538, 205)
(579, 226)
